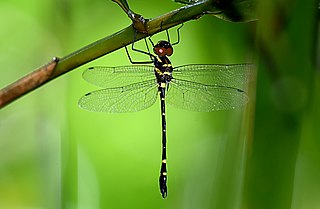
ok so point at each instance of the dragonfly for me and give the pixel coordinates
(195, 87)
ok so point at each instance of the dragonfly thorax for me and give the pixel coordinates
(163, 69)
(163, 48)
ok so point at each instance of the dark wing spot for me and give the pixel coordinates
(239, 90)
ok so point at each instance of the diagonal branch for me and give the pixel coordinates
(104, 46)
(27, 83)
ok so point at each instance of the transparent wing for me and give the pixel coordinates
(108, 77)
(204, 98)
(235, 76)
(130, 98)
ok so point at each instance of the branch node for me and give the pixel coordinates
(139, 23)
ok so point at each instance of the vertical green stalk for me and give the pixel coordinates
(284, 92)
(69, 172)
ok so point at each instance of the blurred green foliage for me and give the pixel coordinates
(55, 155)
(231, 10)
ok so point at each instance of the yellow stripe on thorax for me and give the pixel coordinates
(158, 71)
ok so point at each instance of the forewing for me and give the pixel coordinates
(130, 98)
(204, 98)
(108, 77)
(235, 76)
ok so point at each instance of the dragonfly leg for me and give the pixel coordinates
(168, 36)
(178, 33)
(140, 51)
(151, 41)
(136, 62)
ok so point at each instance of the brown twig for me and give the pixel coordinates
(27, 83)
(139, 29)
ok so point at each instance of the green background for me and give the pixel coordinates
(56, 155)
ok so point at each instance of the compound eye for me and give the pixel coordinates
(169, 51)
(160, 51)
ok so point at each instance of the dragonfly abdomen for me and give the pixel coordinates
(163, 170)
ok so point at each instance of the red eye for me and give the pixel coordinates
(169, 51)
(160, 51)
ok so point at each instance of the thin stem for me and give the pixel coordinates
(97, 49)
(27, 83)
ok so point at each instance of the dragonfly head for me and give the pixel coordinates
(163, 48)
